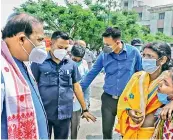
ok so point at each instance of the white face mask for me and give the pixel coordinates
(38, 53)
(60, 54)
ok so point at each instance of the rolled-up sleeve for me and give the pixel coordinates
(76, 77)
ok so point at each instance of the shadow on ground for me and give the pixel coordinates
(97, 113)
(94, 137)
(99, 137)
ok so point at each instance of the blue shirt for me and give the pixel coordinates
(118, 68)
(55, 82)
(39, 109)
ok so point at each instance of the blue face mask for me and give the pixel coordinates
(163, 98)
(149, 65)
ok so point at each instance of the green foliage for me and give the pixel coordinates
(89, 23)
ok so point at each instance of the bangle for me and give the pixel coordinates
(127, 110)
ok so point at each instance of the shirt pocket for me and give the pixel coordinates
(49, 79)
(127, 68)
(65, 78)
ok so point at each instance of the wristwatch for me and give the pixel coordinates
(83, 111)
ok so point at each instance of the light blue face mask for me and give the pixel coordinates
(163, 98)
(78, 63)
(149, 65)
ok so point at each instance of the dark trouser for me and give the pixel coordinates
(60, 127)
(75, 124)
(109, 111)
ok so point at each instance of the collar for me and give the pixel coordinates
(21, 65)
(18, 62)
(124, 47)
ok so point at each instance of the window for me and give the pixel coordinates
(125, 4)
(161, 15)
(140, 15)
(160, 30)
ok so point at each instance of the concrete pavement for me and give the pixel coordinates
(90, 130)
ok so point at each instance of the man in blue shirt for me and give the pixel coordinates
(57, 77)
(22, 41)
(120, 61)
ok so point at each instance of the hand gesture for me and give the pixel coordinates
(136, 116)
(88, 116)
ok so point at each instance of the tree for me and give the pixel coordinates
(78, 22)
(89, 23)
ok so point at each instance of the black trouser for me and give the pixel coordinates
(75, 124)
(109, 111)
(60, 127)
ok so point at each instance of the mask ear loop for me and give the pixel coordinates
(27, 54)
(25, 50)
(113, 46)
(30, 41)
(158, 60)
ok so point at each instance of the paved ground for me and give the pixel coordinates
(90, 130)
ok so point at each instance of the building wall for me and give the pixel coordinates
(150, 16)
(168, 23)
(145, 16)
(145, 20)
(145, 13)
(160, 23)
(153, 22)
(131, 4)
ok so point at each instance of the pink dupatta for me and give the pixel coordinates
(21, 116)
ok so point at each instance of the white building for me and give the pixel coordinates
(158, 18)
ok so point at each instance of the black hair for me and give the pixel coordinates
(162, 49)
(113, 32)
(78, 51)
(19, 22)
(136, 42)
(60, 34)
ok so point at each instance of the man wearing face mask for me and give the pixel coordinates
(119, 61)
(89, 57)
(57, 80)
(78, 53)
(85, 65)
(137, 42)
(22, 112)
